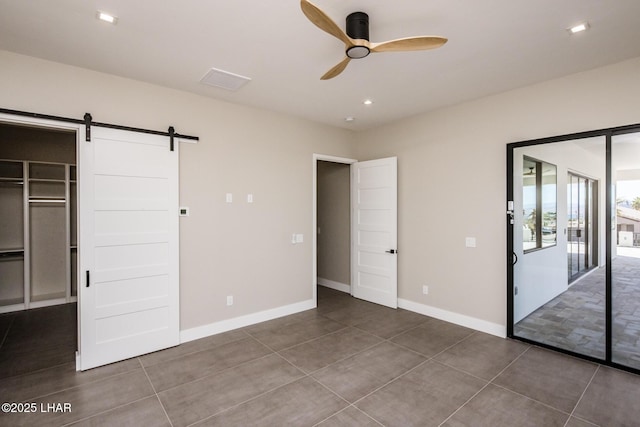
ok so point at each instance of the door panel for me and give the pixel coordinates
(374, 228)
(129, 294)
(549, 306)
(625, 251)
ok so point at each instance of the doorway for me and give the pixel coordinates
(332, 224)
(373, 229)
(582, 225)
(38, 247)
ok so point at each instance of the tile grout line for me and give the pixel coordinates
(104, 412)
(537, 401)
(391, 380)
(435, 355)
(256, 396)
(6, 334)
(75, 386)
(218, 372)
(388, 340)
(311, 339)
(490, 382)
(349, 404)
(583, 393)
(155, 392)
(193, 352)
(332, 363)
(36, 371)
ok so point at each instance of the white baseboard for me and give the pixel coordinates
(242, 321)
(451, 317)
(334, 285)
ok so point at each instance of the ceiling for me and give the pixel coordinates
(494, 46)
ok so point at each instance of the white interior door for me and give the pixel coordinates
(374, 203)
(129, 291)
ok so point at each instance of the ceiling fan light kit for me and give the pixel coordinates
(356, 37)
(358, 29)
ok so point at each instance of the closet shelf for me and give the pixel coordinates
(47, 200)
(8, 251)
(46, 180)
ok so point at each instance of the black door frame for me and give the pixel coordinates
(511, 259)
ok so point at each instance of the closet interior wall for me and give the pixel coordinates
(38, 231)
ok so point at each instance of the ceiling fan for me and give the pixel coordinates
(356, 38)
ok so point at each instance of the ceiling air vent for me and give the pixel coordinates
(224, 79)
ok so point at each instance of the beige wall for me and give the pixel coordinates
(237, 249)
(451, 166)
(452, 184)
(334, 222)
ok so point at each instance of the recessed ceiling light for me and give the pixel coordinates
(106, 17)
(579, 28)
(367, 102)
(349, 119)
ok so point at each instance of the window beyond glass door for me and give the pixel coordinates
(539, 191)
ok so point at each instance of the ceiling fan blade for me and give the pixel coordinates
(336, 70)
(322, 21)
(408, 43)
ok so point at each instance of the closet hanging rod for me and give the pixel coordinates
(46, 201)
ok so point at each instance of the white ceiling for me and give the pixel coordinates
(494, 46)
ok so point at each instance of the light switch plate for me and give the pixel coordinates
(299, 238)
(470, 242)
(229, 198)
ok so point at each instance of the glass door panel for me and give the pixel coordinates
(546, 308)
(625, 251)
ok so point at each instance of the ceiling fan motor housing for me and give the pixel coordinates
(358, 25)
(358, 29)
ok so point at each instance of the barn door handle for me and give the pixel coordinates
(88, 281)
(391, 251)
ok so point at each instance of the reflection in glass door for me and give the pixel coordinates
(625, 250)
(582, 202)
(555, 302)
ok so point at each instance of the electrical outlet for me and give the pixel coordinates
(425, 290)
(230, 300)
(516, 291)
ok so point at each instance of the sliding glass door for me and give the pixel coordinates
(625, 250)
(574, 244)
(555, 301)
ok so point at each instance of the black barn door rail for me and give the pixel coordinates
(87, 120)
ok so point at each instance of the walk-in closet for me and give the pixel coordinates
(38, 224)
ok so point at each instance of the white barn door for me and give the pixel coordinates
(374, 195)
(129, 284)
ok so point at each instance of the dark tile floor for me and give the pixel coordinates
(346, 363)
